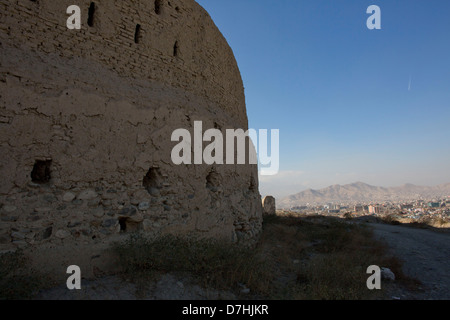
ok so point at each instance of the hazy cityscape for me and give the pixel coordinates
(408, 203)
(419, 209)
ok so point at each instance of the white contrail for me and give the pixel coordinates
(409, 85)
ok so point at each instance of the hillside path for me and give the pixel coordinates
(425, 255)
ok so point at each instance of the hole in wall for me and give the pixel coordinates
(137, 33)
(158, 5)
(41, 172)
(47, 233)
(128, 225)
(176, 49)
(91, 14)
(252, 186)
(152, 180)
(213, 181)
(123, 224)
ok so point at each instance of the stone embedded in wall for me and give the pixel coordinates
(269, 206)
(87, 195)
(62, 234)
(9, 209)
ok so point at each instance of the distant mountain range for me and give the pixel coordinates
(360, 192)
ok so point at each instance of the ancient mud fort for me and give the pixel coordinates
(86, 118)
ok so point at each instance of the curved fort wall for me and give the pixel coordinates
(86, 118)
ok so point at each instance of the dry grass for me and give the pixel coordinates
(434, 223)
(296, 258)
(331, 257)
(212, 263)
(390, 219)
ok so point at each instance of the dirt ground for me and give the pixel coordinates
(167, 287)
(426, 257)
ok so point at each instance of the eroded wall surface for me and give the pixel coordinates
(86, 118)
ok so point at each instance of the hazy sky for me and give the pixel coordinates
(351, 104)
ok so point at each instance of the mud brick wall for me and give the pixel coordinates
(86, 118)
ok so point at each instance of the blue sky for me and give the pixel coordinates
(340, 93)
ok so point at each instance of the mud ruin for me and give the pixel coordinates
(86, 118)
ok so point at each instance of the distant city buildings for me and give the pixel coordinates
(414, 209)
(374, 210)
(404, 206)
(434, 204)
